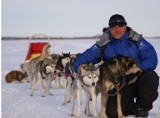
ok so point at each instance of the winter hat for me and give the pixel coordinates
(117, 20)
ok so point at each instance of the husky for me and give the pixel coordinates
(54, 60)
(70, 76)
(60, 80)
(16, 76)
(87, 80)
(42, 74)
(113, 75)
(30, 67)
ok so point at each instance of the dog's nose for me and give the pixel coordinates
(93, 84)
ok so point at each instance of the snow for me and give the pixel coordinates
(16, 101)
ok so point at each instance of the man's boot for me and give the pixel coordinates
(142, 113)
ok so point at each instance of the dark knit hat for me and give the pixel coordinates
(117, 20)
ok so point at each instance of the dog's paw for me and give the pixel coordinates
(121, 116)
(103, 116)
(89, 115)
(64, 103)
(97, 117)
(51, 94)
(31, 94)
(71, 115)
(68, 101)
(42, 95)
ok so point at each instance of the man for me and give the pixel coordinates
(119, 39)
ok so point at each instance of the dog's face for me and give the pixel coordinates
(55, 58)
(65, 58)
(90, 77)
(48, 64)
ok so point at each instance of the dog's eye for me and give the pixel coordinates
(89, 77)
(52, 66)
(94, 76)
(130, 65)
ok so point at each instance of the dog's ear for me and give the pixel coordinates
(83, 71)
(97, 71)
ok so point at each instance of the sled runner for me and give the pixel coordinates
(35, 48)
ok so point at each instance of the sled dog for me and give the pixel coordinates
(113, 75)
(16, 76)
(60, 80)
(30, 66)
(43, 72)
(70, 76)
(87, 81)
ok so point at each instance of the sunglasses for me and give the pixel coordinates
(117, 22)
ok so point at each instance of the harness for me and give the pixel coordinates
(113, 78)
(43, 71)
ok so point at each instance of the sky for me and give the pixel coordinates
(76, 17)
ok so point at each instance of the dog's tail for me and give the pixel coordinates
(46, 51)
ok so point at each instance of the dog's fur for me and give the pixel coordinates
(42, 74)
(87, 81)
(16, 76)
(60, 80)
(70, 76)
(112, 74)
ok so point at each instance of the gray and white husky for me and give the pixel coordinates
(87, 81)
(43, 72)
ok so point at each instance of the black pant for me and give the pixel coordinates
(144, 91)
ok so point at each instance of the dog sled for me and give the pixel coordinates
(35, 48)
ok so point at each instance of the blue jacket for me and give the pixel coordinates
(142, 51)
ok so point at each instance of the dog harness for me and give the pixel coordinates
(114, 79)
(43, 72)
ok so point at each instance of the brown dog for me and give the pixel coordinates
(15, 76)
(113, 75)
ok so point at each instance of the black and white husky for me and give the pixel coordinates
(60, 80)
(42, 74)
(87, 81)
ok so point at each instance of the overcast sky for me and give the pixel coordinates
(77, 17)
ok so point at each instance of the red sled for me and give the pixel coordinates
(35, 48)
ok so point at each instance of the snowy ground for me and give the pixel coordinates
(16, 102)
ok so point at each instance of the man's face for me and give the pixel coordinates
(118, 31)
